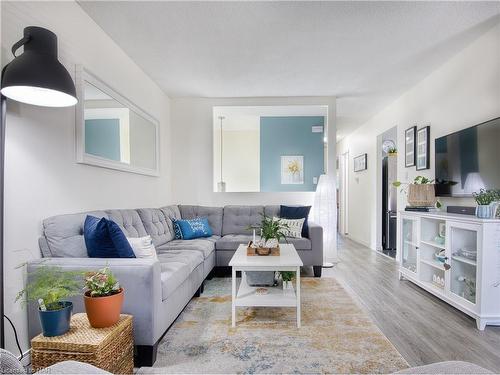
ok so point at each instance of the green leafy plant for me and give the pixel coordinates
(287, 275)
(101, 283)
(272, 228)
(392, 150)
(485, 197)
(52, 285)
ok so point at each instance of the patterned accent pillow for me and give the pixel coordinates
(177, 230)
(194, 228)
(294, 229)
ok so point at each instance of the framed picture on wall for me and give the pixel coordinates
(423, 148)
(410, 146)
(292, 170)
(360, 163)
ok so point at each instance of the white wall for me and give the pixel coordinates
(462, 92)
(42, 178)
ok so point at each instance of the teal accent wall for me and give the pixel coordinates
(102, 138)
(282, 136)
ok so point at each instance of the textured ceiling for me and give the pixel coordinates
(365, 53)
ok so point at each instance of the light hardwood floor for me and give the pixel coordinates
(421, 327)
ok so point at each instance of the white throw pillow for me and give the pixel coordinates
(143, 247)
(294, 227)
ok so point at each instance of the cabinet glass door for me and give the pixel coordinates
(464, 247)
(409, 244)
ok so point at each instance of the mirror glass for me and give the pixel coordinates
(268, 148)
(114, 133)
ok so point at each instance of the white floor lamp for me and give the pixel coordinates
(325, 214)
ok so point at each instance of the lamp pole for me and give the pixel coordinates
(3, 108)
(34, 77)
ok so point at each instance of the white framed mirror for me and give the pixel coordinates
(111, 131)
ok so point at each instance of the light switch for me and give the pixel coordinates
(315, 180)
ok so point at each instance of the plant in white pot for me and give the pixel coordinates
(486, 200)
(287, 277)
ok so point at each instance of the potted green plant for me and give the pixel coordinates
(103, 298)
(420, 192)
(287, 277)
(272, 231)
(50, 287)
(486, 202)
(392, 151)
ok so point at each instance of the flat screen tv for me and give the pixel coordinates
(468, 160)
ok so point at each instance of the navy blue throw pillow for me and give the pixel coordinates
(297, 212)
(105, 239)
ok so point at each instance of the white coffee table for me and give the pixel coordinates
(288, 260)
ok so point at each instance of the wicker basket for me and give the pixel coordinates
(111, 349)
(421, 195)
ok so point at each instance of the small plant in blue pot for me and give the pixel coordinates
(49, 288)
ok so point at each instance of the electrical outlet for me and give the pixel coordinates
(315, 180)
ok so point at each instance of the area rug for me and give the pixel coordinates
(336, 336)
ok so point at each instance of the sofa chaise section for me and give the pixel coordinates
(155, 291)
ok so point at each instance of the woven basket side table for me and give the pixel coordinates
(111, 349)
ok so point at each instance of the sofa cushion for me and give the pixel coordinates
(173, 274)
(192, 258)
(237, 219)
(232, 241)
(205, 245)
(272, 210)
(129, 222)
(105, 239)
(297, 212)
(213, 214)
(171, 212)
(157, 225)
(175, 268)
(64, 234)
(193, 228)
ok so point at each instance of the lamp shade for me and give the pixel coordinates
(36, 76)
(325, 214)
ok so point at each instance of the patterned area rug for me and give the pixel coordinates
(336, 336)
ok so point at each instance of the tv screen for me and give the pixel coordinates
(468, 160)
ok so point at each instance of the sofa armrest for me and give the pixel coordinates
(140, 279)
(316, 237)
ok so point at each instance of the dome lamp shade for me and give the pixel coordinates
(36, 76)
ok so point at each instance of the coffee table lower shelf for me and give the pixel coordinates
(276, 296)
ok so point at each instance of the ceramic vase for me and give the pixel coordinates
(483, 211)
(104, 311)
(56, 322)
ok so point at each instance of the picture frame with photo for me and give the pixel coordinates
(361, 163)
(423, 148)
(410, 146)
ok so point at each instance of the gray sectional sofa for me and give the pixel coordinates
(157, 291)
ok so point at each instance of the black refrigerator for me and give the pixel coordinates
(389, 205)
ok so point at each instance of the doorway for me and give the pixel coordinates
(386, 192)
(343, 195)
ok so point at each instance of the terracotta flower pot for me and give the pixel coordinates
(103, 311)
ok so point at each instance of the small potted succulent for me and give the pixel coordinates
(49, 288)
(392, 151)
(486, 202)
(103, 298)
(287, 277)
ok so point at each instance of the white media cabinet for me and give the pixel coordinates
(472, 286)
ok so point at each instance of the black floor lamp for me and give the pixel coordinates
(35, 77)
